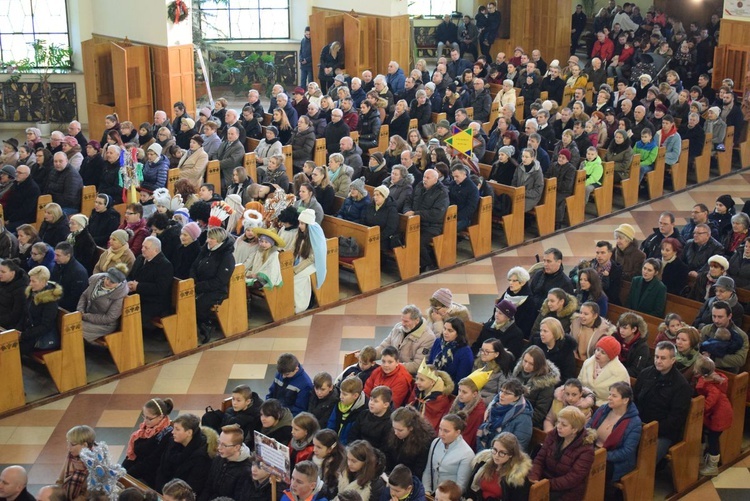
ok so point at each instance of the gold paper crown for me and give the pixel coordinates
(480, 377)
(425, 370)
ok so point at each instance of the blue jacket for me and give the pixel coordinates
(396, 82)
(155, 173)
(305, 52)
(461, 365)
(354, 210)
(516, 420)
(623, 455)
(292, 392)
(417, 492)
(342, 423)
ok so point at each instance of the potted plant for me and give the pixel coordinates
(253, 69)
(47, 60)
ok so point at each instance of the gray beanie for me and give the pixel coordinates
(359, 185)
(508, 150)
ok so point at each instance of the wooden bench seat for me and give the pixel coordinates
(684, 457)
(250, 163)
(329, 292)
(66, 366)
(126, 345)
(320, 153)
(366, 268)
(544, 212)
(480, 229)
(655, 178)
(12, 396)
(731, 439)
(280, 299)
(383, 138)
(703, 161)
(251, 143)
(629, 187)
(181, 328)
(286, 150)
(724, 158)
(407, 256)
(745, 149)
(639, 483)
(88, 196)
(436, 117)
(513, 223)
(575, 204)
(680, 169)
(444, 244)
(41, 203)
(232, 312)
(652, 323)
(213, 175)
(173, 175)
(603, 194)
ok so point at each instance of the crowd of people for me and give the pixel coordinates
(425, 411)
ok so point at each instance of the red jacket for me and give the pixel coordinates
(399, 381)
(718, 413)
(302, 455)
(432, 410)
(603, 50)
(473, 421)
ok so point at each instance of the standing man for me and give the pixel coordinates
(578, 24)
(468, 33)
(491, 30)
(429, 201)
(305, 59)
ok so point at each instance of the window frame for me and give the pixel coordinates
(432, 14)
(228, 7)
(36, 35)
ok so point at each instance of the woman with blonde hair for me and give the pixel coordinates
(42, 297)
(399, 122)
(55, 227)
(396, 146)
(74, 475)
(558, 347)
(281, 122)
(313, 93)
(339, 174)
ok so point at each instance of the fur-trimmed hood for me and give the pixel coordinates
(549, 380)
(516, 477)
(52, 292)
(448, 384)
(566, 311)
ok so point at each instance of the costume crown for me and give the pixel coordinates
(425, 370)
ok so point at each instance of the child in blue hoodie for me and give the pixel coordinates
(648, 150)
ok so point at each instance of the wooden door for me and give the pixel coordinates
(317, 38)
(353, 42)
(131, 70)
(97, 75)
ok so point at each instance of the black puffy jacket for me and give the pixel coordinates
(190, 463)
(13, 301)
(213, 269)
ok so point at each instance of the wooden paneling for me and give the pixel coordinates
(131, 67)
(731, 61)
(174, 77)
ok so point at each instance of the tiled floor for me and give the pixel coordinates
(36, 438)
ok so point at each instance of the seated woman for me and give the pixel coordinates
(54, 228)
(558, 347)
(356, 203)
(408, 441)
(571, 393)
(392, 154)
(442, 307)
(104, 219)
(724, 290)
(382, 212)
(674, 271)
(540, 377)
(27, 237)
(187, 252)
(739, 265)
(501, 472)
(566, 456)
(451, 352)
(687, 343)
(361, 473)
(620, 152)
(565, 173)
(240, 183)
(147, 444)
(41, 255)
(84, 247)
(281, 122)
(118, 252)
(302, 142)
(560, 305)
(470, 406)
(493, 364)
(307, 200)
(519, 293)
(618, 429)
(648, 294)
(603, 369)
(246, 245)
(634, 351)
(276, 420)
(510, 412)
(733, 239)
(449, 457)
(265, 269)
(74, 475)
(703, 286)
(502, 326)
(101, 303)
(324, 192)
(339, 174)
(13, 283)
(268, 147)
(433, 394)
(587, 328)
(590, 289)
(399, 184)
(40, 328)
(288, 220)
(377, 170)
(309, 257)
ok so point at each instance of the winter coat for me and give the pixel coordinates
(452, 462)
(193, 166)
(697, 256)
(526, 308)
(371, 491)
(303, 144)
(293, 392)
(622, 160)
(613, 372)
(40, 329)
(342, 423)
(567, 470)
(282, 430)
(541, 389)
(248, 419)
(54, 233)
(353, 210)
(622, 454)
(399, 381)
(372, 428)
(148, 454)
(436, 403)
(587, 337)
(732, 362)
(631, 259)
(190, 463)
(652, 245)
(248, 489)
(412, 346)
(386, 217)
(65, 186)
(154, 284)
(649, 298)
(13, 301)
(565, 315)
(515, 418)
(466, 197)
(73, 279)
(212, 271)
(514, 484)
(109, 182)
(139, 232)
(342, 182)
(101, 314)
(224, 475)
(48, 261)
(266, 149)
(533, 181)
(474, 411)
(326, 198)
(369, 129)
(278, 176)
(401, 192)
(664, 398)
(84, 249)
(102, 224)
(416, 494)
(509, 334)
(717, 413)
(155, 173)
(431, 205)
(639, 356)
(21, 204)
(460, 364)
(562, 354)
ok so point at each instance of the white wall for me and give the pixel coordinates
(375, 8)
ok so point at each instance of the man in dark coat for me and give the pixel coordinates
(457, 65)
(229, 467)
(231, 154)
(21, 202)
(652, 245)
(699, 248)
(352, 155)
(550, 277)
(609, 271)
(662, 394)
(13, 481)
(463, 193)
(429, 201)
(65, 185)
(151, 277)
(481, 101)
(70, 275)
(335, 131)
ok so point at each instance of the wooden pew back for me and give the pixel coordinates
(329, 291)
(575, 204)
(41, 203)
(603, 194)
(12, 396)
(685, 455)
(679, 170)
(703, 161)
(407, 256)
(286, 150)
(320, 153)
(445, 243)
(213, 174)
(88, 196)
(639, 483)
(281, 299)
(725, 157)
(66, 366)
(366, 268)
(629, 186)
(181, 328)
(250, 163)
(513, 223)
(480, 230)
(173, 175)
(655, 178)
(545, 210)
(232, 312)
(731, 439)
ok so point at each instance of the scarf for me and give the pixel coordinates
(145, 139)
(332, 175)
(71, 238)
(736, 240)
(685, 361)
(710, 281)
(516, 300)
(467, 408)
(74, 477)
(626, 346)
(666, 136)
(145, 432)
(445, 357)
(299, 445)
(112, 257)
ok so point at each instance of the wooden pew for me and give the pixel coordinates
(173, 175)
(320, 153)
(126, 345)
(724, 158)
(745, 149)
(445, 243)
(267, 119)
(685, 456)
(351, 358)
(545, 210)
(181, 328)
(127, 482)
(88, 196)
(250, 164)
(288, 159)
(120, 209)
(232, 312)
(470, 112)
(329, 291)
(575, 204)
(413, 124)
(480, 230)
(652, 323)
(629, 186)
(494, 113)
(519, 108)
(251, 144)
(407, 256)
(12, 396)
(66, 366)
(436, 117)
(539, 491)
(41, 203)
(280, 299)
(590, 92)
(603, 194)
(703, 162)
(597, 477)
(513, 223)
(655, 178)
(366, 268)
(639, 483)
(731, 439)
(473, 330)
(213, 175)
(383, 139)
(679, 170)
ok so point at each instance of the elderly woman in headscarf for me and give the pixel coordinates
(101, 303)
(118, 252)
(84, 247)
(309, 257)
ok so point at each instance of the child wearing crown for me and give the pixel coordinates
(433, 393)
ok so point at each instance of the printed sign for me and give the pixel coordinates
(275, 457)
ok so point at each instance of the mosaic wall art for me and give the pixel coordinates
(22, 102)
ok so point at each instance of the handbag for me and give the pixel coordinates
(348, 247)
(396, 240)
(48, 341)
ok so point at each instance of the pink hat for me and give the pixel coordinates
(71, 141)
(443, 296)
(193, 230)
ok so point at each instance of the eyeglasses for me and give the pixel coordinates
(226, 446)
(508, 393)
(499, 453)
(700, 233)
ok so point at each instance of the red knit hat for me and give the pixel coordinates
(610, 346)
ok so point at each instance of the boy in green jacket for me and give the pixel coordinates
(647, 149)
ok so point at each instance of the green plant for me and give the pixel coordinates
(252, 69)
(48, 59)
(589, 7)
